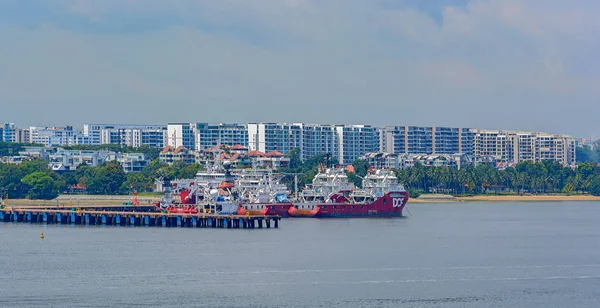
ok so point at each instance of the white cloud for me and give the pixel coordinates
(488, 64)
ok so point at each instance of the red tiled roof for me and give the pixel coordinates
(238, 147)
(166, 149)
(274, 154)
(256, 153)
(180, 148)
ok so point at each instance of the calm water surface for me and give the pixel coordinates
(443, 255)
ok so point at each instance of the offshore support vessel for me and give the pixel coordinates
(331, 195)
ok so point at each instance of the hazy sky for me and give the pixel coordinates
(513, 64)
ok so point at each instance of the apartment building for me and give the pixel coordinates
(124, 134)
(427, 140)
(516, 147)
(208, 136)
(181, 134)
(53, 136)
(356, 140)
(493, 143)
(318, 139)
(269, 137)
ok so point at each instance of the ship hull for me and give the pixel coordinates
(389, 205)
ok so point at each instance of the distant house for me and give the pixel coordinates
(171, 154)
(131, 162)
(272, 160)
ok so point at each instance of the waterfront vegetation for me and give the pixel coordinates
(35, 180)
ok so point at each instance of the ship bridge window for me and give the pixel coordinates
(384, 200)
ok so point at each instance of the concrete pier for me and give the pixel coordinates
(147, 219)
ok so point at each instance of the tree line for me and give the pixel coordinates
(35, 180)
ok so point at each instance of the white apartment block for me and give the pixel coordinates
(319, 139)
(267, 137)
(516, 147)
(427, 140)
(52, 136)
(181, 134)
(355, 141)
(492, 143)
(344, 142)
(208, 136)
(124, 134)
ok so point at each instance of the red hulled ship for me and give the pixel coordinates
(331, 195)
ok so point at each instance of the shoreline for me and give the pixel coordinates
(505, 198)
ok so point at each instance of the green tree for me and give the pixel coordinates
(40, 185)
(137, 181)
(295, 159)
(189, 171)
(595, 186)
(106, 179)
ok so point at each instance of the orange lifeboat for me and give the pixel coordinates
(296, 212)
(226, 185)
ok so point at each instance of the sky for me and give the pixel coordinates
(527, 65)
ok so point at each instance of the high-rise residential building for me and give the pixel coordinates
(493, 143)
(319, 139)
(181, 134)
(149, 135)
(52, 136)
(124, 134)
(516, 147)
(208, 136)
(268, 137)
(427, 140)
(23, 135)
(355, 141)
(467, 140)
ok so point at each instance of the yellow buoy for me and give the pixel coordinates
(42, 235)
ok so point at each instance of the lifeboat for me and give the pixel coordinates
(182, 210)
(226, 185)
(301, 212)
(253, 210)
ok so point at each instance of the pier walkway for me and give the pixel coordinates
(131, 218)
